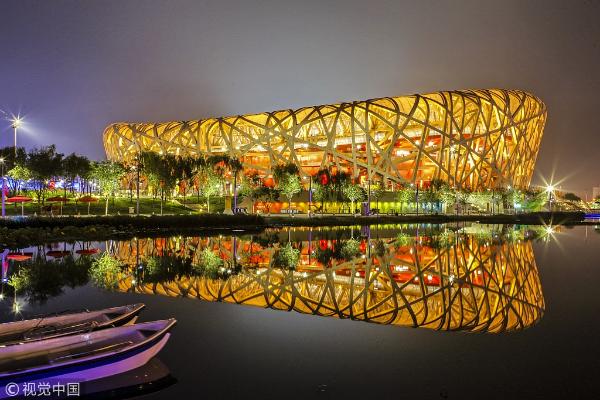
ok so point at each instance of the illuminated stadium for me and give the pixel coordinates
(470, 138)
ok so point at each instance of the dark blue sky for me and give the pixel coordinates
(72, 67)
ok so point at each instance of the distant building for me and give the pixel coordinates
(595, 192)
(472, 138)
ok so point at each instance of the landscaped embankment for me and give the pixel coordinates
(20, 232)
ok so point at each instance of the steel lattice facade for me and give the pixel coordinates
(470, 138)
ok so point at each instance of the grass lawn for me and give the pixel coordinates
(118, 205)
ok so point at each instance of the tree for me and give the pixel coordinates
(251, 185)
(19, 174)
(161, 172)
(350, 249)
(75, 166)
(151, 164)
(287, 181)
(105, 271)
(269, 195)
(319, 193)
(447, 196)
(480, 199)
(429, 196)
(353, 192)
(377, 191)
(286, 257)
(184, 171)
(405, 195)
(107, 174)
(534, 199)
(515, 198)
(8, 155)
(436, 186)
(210, 184)
(44, 163)
(321, 186)
(338, 182)
(462, 198)
(571, 197)
(497, 199)
(208, 263)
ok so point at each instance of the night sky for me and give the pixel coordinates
(73, 67)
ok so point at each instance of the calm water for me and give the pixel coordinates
(499, 312)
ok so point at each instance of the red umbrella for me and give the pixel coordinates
(19, 199)
(57, 199)
(87, 251)
(19, 256)
(89, 200)
(58, 253)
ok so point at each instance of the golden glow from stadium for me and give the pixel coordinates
(467, 284)
(470, 138)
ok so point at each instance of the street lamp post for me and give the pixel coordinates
(2, 186)
(550, 190)
(137, 190)
(309, 195)
(369, 194)
(16, 123)
(137, 186)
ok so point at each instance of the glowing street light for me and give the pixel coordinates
(16, 123)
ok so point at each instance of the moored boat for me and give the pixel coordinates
(19, 332)
(82, 357)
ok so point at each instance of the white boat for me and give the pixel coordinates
(63, 324)
(81, 357)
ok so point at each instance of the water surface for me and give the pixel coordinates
(500, 311)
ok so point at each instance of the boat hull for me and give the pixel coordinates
(84, 372)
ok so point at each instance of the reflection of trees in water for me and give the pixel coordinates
(40, 279)
(286, 257)
(166, 268)
(450, 281)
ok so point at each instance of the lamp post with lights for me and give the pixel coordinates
(550, 191)
(309, 177)
(2, 186)
(16, 123)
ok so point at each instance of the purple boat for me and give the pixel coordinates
(82, 357)
(19, 332)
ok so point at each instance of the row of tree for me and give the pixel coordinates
(42, 167)
(164, 176)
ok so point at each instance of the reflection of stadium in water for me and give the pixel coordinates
(473, 282)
